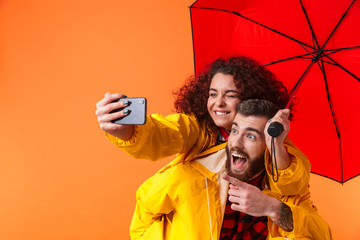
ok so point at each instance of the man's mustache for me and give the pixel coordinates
(239, 151)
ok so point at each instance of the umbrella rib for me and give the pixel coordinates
(192, 34)
(328, 62)
(337, 25)
(311, 29)
(322, 68)
(287, 59)
(298, 84)
(338, 65)
(192, 5)
(271, 29)
(308, 50)
(332, 51)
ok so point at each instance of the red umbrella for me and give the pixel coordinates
(314, 48)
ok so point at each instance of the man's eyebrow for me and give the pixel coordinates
(254, 130)
(248, 129)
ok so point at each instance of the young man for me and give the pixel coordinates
(193, 201)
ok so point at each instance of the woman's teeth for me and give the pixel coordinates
(221, 113)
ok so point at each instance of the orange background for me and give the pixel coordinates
(59, 177)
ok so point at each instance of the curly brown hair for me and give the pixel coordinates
(252, 79)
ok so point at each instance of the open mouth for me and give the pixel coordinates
(238, 160)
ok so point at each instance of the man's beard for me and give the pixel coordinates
(254, 166)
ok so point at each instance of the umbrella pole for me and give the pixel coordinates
(298, 84)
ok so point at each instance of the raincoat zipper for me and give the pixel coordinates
(208, 202)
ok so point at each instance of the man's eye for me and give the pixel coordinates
(252, 137)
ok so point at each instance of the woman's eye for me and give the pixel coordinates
(233, 131)
(232, 96)
(212, 94)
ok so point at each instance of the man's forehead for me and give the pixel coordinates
(252, 121)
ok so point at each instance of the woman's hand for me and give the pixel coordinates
(105, 115)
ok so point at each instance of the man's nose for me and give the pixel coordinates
(238, 142)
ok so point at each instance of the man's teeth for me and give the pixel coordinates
(238, 155)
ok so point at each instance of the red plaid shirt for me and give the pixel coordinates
(238, 225)
(223, 135)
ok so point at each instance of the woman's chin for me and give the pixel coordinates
(223, 124)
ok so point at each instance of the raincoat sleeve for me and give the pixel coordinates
(154, 205)
(307, 223)
(161, 136)
(293, 180)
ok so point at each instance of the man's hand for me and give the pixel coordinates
(283, 158)
(249, 199)
(282, 116)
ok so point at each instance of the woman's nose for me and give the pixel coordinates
(220, 101)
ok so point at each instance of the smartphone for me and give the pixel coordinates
(137, 112)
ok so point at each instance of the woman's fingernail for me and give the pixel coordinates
(126, 111)
(269, 120)
(126, 102)
(124, 96)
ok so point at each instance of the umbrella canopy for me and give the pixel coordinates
(313, 47)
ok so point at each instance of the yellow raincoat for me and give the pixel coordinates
(187, 201)
(183, 135)
(162, 137)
